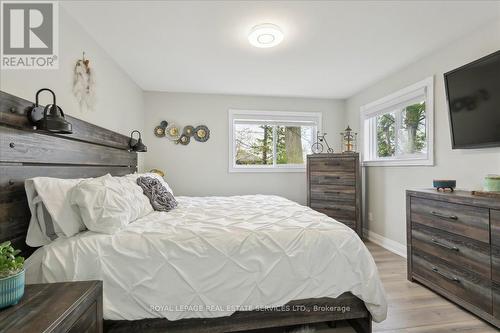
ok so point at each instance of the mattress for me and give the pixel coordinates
(213, 256)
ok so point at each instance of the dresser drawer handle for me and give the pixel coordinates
(451, 248)
(451, 278)
(332, 192)
(443, 216)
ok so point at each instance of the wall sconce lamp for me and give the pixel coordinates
(138, 146)
(49, 118)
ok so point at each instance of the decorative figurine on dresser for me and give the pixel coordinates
(334, 187)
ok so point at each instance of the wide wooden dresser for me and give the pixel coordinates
(453, 241)
(334, 187)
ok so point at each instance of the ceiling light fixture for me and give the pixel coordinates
(265, 35)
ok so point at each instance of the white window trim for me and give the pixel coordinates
(368, 110)
(234, 114)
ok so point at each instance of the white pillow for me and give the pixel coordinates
(107, 204)
(136, 175)
(52, 215)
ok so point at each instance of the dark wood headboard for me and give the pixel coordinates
(91, 151)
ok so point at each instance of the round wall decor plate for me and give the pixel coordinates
(201, 133)
(159, 131)
(188, 130)
(173, 132)
(184, 139)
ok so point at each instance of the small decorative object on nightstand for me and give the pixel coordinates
(11, 275)
(444, 184)
(56, 307)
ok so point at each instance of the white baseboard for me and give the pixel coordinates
(388, 244)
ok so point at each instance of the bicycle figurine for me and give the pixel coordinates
(318, 147)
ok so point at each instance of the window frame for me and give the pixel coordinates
(369, 112)
(265, 115)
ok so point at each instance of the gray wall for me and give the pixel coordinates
(201, 169)
(386, 185)
(119, 102)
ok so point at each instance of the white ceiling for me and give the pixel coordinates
(331, 49)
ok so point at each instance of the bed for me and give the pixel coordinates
(214, 264)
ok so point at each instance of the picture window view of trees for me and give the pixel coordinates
(402, 132)
(272, 145)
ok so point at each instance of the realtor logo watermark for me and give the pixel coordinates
(30, 35)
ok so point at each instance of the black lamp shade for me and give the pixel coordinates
(49, 118)
(54, 122)
(137, 146)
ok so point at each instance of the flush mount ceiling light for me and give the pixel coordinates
(265, 35)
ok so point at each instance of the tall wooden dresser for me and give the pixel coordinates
(334, 187)
(453, 244)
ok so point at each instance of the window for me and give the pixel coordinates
(270, 141)
(397, 129)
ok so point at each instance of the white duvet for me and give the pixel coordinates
(214, 255)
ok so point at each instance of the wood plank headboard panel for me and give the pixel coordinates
(91, 151)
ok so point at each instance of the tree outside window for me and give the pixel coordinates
(402, 132)
(257, 144)
(397, 129)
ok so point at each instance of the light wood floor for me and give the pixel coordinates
(412, 307)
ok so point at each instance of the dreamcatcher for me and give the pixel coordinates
(83, 84)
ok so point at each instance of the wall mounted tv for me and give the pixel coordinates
(473, 93)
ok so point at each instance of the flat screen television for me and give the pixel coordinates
(473, 93)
